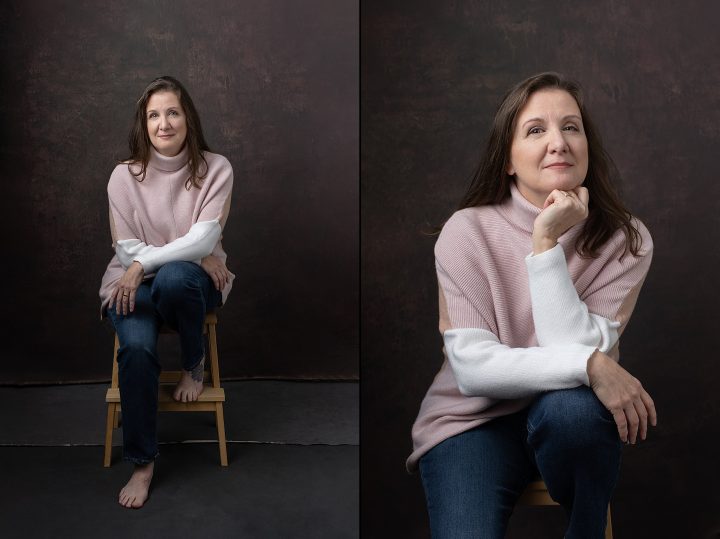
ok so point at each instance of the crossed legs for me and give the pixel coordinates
(473, 480)
(179, 295)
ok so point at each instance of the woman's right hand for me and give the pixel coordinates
(123, 295)
(623, 395)
(562, 210)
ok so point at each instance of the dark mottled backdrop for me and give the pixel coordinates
(432, 74)
(276, 85)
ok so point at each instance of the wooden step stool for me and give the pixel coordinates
(537, 494)
(210, 400)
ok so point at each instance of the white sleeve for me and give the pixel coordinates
(485, 367)
(192, 247)
(560, 316)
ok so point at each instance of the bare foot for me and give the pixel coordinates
(190, 385)
(135, 493)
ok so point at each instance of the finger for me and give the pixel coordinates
(649, 406)
(216, 280)
(633, 423)
(553, 197)
(125, 303)
(642, 414)
(116, 299)
(131, 300)
(583, 195)
(621, 422)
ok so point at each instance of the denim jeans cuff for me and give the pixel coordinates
(140, 461)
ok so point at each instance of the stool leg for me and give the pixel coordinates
(108, 433)
(220, 422)
(608, 529)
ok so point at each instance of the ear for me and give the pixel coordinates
(509, 169)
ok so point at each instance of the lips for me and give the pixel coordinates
(558, 165)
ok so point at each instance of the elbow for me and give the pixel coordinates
(466, 389)
(209, 238)
(468, 386)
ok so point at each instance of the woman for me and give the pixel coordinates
(168, 204)
(538, 274)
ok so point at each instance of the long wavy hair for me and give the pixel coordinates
(491, 182)
(139, 140)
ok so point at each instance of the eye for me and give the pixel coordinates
(152, 115)
(571, 127)
(174, 113)
(535, 130)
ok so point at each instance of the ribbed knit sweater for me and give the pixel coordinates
(158, 220)
(514, 324)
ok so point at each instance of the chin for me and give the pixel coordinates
(566, 184)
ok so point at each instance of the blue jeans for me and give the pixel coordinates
(179, 295)
(473, 480)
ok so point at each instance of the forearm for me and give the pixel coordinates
(560, 316)
(485, 367)
(196, 244)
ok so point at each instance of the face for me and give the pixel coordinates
(166, 123)
(549, 148)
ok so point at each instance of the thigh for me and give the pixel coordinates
(140, 327)
(473, 480)
(177, 279)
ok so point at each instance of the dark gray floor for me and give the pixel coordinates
(293, 466)
(255, 411)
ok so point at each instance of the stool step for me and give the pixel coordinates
(209, 395)
(172, 377)
(536, 494)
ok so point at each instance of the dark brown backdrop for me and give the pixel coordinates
(432, 75)
(276, 85)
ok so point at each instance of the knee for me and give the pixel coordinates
(574, 419)
(173, 279)
(136, 354)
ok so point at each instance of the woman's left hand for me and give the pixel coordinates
(623, 395)
(562, 210)
(217, 271)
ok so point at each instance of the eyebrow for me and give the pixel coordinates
(172, 107)
(564, 118)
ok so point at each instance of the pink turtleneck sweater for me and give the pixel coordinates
(158, 220)
(514, 324)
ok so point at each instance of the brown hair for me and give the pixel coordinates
(491, 182)
(139, 140)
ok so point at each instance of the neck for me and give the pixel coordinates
(534, 198)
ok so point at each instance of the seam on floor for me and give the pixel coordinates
(249, 442)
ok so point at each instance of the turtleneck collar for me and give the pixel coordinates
(520, 211)
(168, 164)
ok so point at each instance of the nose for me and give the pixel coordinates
(557, 142)
(164, 122)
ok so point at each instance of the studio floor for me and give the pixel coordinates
(293, 451)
